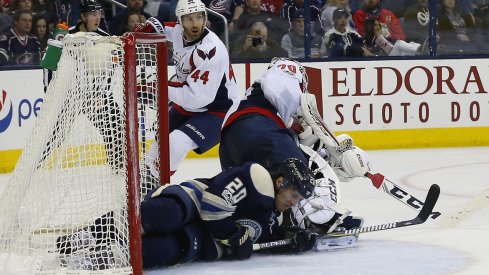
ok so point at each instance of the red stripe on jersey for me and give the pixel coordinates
(247, 75)
(184, 112)
(169, 24)
(219, 114)
(257, 110)
(177, 84)
(191, 62)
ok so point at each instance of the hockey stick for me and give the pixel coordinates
(468, 209)
(327, 137)
(428, 205)
(272, 244)
(423, 215)
(445, 220)
(312, 118)
(395, 191)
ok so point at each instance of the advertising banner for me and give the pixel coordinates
(21, 94)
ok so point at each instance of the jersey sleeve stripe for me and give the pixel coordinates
(214, 216)
(216, 202)
(177, 84)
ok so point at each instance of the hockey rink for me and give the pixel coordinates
(462, 173)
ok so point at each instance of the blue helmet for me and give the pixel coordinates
(296, 173)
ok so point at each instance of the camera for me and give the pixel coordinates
(256, 40)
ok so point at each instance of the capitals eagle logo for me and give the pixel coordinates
(210, 54)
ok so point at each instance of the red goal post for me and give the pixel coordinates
(72, 204)
(132, 124)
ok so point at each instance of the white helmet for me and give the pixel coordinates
(301, 75)
(185, 7)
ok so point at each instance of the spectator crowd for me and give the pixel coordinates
(267, 28)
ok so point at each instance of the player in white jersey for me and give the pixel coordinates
(262, 128)
(203, 87)
(259, 121)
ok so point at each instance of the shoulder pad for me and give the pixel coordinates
(262, 180)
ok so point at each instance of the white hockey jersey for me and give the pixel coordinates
(280, 86)
(204, 79)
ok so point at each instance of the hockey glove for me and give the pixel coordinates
(303, 240)
(240, 244)
(152, 25)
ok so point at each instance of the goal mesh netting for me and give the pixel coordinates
(71, 205)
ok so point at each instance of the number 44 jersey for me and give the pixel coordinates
(204, 79)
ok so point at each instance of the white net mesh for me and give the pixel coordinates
(65, 207)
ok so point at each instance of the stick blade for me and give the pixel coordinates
(429, 203)
(475, 204)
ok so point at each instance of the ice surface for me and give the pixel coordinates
(425, 249)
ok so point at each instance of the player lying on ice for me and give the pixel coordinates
(266, 127)
(209, 219)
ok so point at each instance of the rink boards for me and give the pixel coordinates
(381, 104)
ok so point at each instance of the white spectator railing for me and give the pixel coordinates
(226, 34)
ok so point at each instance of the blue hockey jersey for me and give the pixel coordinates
(235, 196)
(15, 50)
(338, 44)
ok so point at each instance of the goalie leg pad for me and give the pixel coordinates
(319, 209)
(312, 118)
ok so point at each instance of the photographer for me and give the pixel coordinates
(257, 45)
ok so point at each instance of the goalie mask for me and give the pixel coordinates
(297, 174)
(301, 75)
(185, 7)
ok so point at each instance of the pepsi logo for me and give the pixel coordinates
(6, 111)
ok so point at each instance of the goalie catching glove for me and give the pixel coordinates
(352, 162)
(240, 244)
(152, 25)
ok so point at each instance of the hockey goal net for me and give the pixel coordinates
(71, 205)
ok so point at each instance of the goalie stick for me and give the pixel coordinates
(449, 220)
(328, 139)
(468, 209)
(395, 191)
(429, 204)
(313, 118)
